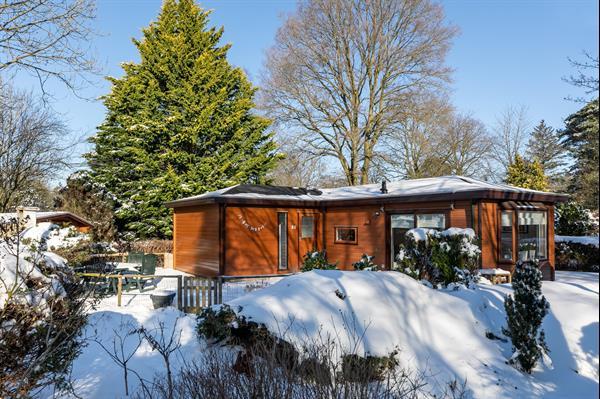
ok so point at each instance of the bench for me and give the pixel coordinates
(496, 276)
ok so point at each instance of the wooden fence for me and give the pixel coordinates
(193, 293)
(200, 292)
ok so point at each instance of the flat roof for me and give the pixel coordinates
(440, 188)
(51, 215)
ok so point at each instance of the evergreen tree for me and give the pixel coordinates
(526, 174)
(525, 312)
(581, 137)
(178, 123)
(545, 146)
(89, 200)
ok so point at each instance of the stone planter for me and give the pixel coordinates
(162, 299)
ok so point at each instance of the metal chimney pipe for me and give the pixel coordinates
(384, 189)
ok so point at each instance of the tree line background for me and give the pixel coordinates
(353, 92)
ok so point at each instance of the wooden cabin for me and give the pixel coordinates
(31, 216)
(261, 230)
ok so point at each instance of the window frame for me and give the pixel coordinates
(346, 242)
(514, 222)
(445, 214)
(280, 265)
(545, 212)
(314, 227)
(516, 234)
(415, 212)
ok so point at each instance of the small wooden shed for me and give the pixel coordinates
(259, 230)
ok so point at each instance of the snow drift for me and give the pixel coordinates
(440, 332)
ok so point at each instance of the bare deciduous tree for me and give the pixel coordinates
(465, 146)
(47, 38)
(510, 135)
(411, 150)
(298, 168)
(30, 146)
(342, 71)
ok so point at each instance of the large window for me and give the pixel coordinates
(282, 241)
(401, 223)
(506, 236)
(533, 241)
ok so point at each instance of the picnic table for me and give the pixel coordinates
(121, 266)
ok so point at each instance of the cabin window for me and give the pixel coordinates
(533, 240)
(307, 227)
(282, 244)
(346, 235)
(400, 224)
(432, 221)
(506, 236)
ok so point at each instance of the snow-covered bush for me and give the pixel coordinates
(525, 311)
(42, 311)
(316, 260)
(450, 256)
(365, 263)
(576, 256)
(572, 219)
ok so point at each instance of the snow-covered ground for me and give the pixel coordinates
(586, 240)
(442, 332)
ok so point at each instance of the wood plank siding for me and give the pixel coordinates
(196, 240)
(251, 245)
(370, 235)
(243, 239)
(372, 226)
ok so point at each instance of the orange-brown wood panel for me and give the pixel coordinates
(370, 235)
(460, 216)
(196, 240)
(252, 240)
(489, 234)
(551, 260)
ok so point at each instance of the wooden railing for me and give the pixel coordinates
(193, 293)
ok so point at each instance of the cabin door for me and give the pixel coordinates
(307, 234)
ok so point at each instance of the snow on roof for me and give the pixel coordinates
(48, 216)
(400, 188)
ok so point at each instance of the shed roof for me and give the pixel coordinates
(445, 187)
(53, 216)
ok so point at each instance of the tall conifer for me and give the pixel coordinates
(179, 123)
(581, 135)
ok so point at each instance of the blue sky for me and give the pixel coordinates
(508, 52)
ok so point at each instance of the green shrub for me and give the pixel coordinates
(227, 327)
(576, 256)
(365, 263)
(572, 219)
(215, 325)
(316, 260)
(442, 258)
